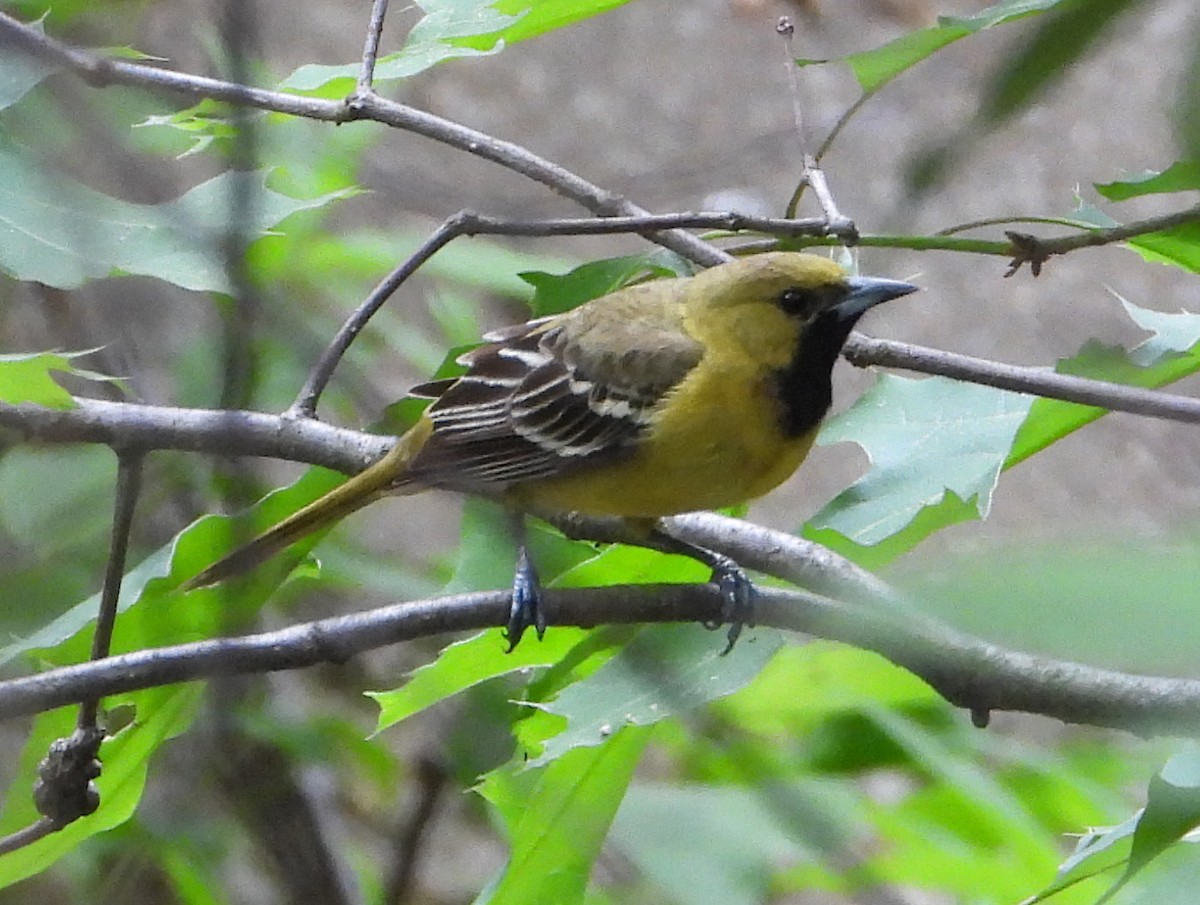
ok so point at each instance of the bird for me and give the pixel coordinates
(662, 397)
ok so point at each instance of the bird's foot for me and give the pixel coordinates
(737, 598)
(526, 609)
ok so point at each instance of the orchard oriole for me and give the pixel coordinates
(659, 398)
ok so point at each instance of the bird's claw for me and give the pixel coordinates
(526, 609)
(737, 600)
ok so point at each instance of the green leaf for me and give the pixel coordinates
(202, 124)
(665, 670)
(1174, 334)
(531, 18)
(63, 234)
(1178, 246)
(1183, 176)
(556, 293)
(912, 492)
(162, 714)
(1172, 810)
(558, 819)
(875, 68)
(467, 663)
(28, 378)
(925, 438)
(1097, 851)
(456, 28)
(1163, 359)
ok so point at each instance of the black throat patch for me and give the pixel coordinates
(804, 388)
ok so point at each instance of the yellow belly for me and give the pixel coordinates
(715, 442)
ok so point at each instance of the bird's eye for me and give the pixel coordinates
(795, 301)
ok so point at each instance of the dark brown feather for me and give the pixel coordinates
(547, 397)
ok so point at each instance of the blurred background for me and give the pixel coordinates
(675, 107)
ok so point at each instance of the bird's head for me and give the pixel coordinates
(768, 301)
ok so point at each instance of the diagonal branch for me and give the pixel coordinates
(102, 72)
(862, 351)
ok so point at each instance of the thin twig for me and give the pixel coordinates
(366, 76)
(843, 121)
(967, 671)
(1004, 221)
(786, 29)
(305, 405)
(128, 489)
(469, 223)
(39, 829)
(839, 225)
(863, 350)
(477, 224)
(101, 72)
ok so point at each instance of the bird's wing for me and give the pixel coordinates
(554, 395)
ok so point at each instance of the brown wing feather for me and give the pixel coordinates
(551, 396)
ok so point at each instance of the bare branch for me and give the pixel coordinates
(39, 829)
(967, 671)
(469, 223)
(129, 484)
(366, 76)
(305, 405)
(102, 72)
(863, 350)
(126, 425)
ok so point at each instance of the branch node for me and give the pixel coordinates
(1026, 249)
(980, 717)
(64, 790)
(357, 104)
(609, 204)
(843, 228)
(465, 223)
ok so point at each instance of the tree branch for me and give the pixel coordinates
(127, 425)
(366, 75)
(863, 350)
(102, 72)
(965, 670)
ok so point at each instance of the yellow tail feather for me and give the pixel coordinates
(379, 480)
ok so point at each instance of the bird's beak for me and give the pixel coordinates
(867, 292)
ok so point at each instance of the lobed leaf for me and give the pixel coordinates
(940, 445)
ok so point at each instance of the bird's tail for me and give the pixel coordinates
(384, 477)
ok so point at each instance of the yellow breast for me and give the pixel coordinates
(713, 442)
